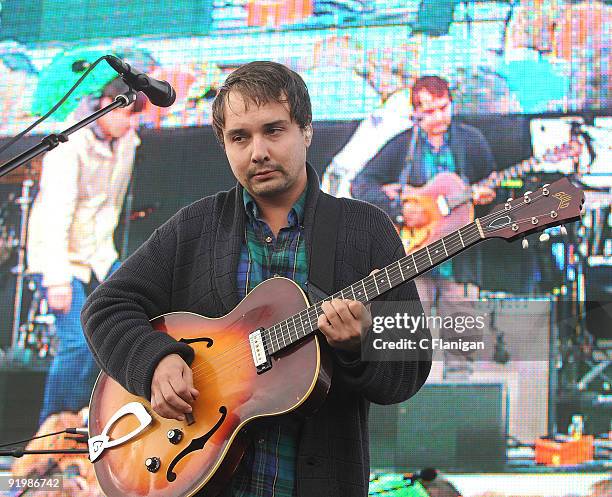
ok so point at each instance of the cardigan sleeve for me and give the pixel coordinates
(388, 380)
(116, 315)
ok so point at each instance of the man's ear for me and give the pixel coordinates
(308, 134)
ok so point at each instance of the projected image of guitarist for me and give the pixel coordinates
(425, 177)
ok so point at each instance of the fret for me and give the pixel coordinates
(351, 295)
(428, 254)
(274, 339)
(450, 244)
(460, 237)
(283, 335)
(269, 336)
(468, 234)
(477, 223)
(296, 330)
(376, 285)
(399, 264)
(295, 327)
(313, 326)
(305, 322)
(444, 246)
(436, 250)
(290, 332)
(275, 343)
(357, 293)
(280, 335)
(381, 288)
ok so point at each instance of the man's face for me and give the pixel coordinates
(435, 112)
(265, 148)
(117, 123)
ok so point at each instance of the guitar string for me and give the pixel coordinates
(370, 280)
(423, 255)
(220, 366)
(217, 367)
(215, 360)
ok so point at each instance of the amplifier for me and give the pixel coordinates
(450, 427)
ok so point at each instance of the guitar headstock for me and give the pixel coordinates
(551, 205)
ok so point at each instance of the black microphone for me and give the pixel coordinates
(159, 93)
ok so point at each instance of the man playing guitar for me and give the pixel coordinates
(213, 253)
(413, 157)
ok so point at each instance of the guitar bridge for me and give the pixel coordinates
(261, 360)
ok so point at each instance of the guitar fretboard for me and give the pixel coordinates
(304, 323)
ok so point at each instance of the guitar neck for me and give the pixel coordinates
(495, 179)
(300, 325)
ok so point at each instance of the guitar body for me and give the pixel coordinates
(231, 395)
(437, 225)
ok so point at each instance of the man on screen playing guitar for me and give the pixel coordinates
(436, 144)
(211, 254)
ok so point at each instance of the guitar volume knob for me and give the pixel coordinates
(153, 464)
(175, 436)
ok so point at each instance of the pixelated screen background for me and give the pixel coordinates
(526, 73)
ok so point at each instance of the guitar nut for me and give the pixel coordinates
(514, 227)
(534, 220)
(553, 214)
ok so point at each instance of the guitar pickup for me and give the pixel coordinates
(258, 351)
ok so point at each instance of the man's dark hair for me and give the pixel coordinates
(261, 82)
(116, 87)
(434, 85)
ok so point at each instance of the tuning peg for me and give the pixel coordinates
(528, 192)
(525, 243)
(546, 185)
(544, 237)
(563, 230)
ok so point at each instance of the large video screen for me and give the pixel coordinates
(521, 92)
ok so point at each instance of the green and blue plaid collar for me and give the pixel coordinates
(295, 216)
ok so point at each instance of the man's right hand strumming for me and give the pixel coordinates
(172, 389)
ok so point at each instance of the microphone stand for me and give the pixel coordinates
(53, 140)
(49, 143)
(20, 452)
(409, 165)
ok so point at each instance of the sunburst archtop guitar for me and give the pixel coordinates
(263, 359)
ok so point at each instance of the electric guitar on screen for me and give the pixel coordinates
(263, 359)
(447, 200)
